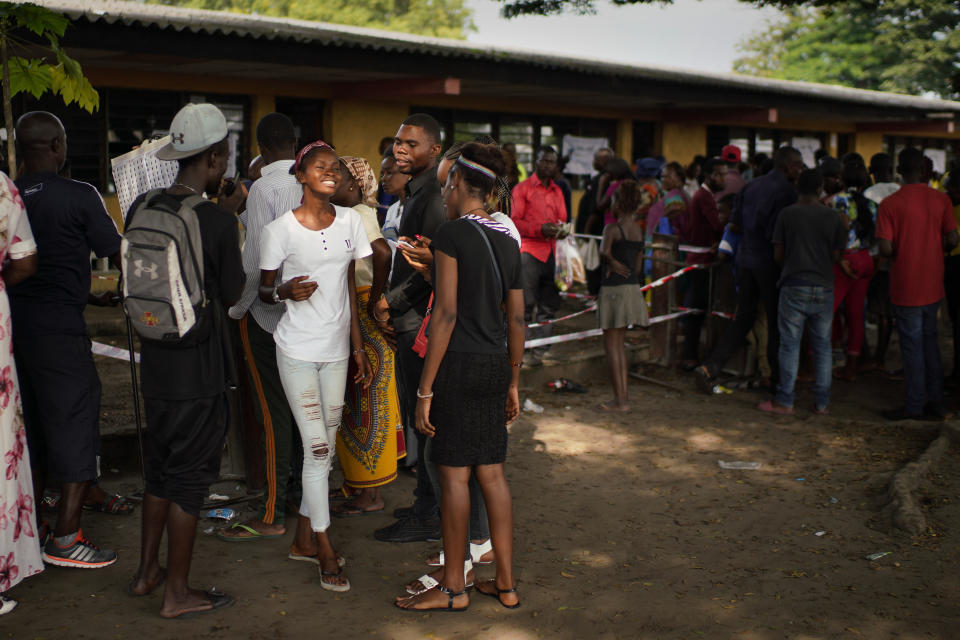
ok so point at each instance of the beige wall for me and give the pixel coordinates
(868, 143)
(260, 105)
(356, 127)
(680, 141)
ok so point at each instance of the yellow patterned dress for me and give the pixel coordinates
(370, 438)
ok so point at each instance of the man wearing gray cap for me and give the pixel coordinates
(185, 379)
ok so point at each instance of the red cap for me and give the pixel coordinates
(730, 153)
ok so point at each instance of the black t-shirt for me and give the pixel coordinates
(68, 221)
(479, 327)
(810, 235)
(194, 367)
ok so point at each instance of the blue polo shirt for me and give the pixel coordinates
(755, 212)
(69, 221)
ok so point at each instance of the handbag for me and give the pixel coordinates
(420, 342)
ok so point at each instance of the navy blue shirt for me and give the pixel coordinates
(755, 212)
(69, 221)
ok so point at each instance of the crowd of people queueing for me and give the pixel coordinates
(375, 316)
(346, 336)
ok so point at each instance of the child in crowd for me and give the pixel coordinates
(621, 302)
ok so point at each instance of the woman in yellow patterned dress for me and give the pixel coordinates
(370, 438)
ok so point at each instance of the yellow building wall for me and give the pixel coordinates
(260, 105)
(624, 141)
(867, 143)
(680, 141)
(356, 127)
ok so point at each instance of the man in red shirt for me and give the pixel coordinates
(915, 226)
(539, 210)
(734, 181)
(703, 228)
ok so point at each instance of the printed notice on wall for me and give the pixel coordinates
(808, 148)
(939, 159)
(579, 152)
(140, 170)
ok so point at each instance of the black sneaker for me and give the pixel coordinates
(410, 529)
(895, 415)
(80, 554)
(401, 513)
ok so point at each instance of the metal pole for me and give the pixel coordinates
(136, 397)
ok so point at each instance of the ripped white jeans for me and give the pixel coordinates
(315, 392)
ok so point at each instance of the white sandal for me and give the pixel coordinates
(427, 582)
(477, 551)
(7, 605)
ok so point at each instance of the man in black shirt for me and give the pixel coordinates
(58, 379)
(415, 147)
(185, 382)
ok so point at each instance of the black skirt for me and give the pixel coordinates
(469, 409)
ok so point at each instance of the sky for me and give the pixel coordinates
(689, 34)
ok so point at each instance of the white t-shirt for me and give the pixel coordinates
(316, 329)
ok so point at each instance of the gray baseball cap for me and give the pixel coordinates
(194, 129)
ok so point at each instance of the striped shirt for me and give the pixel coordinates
(275, 193)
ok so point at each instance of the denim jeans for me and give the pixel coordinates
(922, 369)
(812, 306)
(315, 393)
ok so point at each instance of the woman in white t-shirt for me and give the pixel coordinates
(316, 245)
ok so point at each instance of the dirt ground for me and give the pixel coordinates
(626, 527)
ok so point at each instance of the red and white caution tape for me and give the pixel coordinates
(110, 351)
(672, 276)
(592, 307)
(674, 315)
(689, 248)
(566, 337)
(97, 277)
(718, 314)
(578, 296)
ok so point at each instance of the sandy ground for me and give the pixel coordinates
(626, 528)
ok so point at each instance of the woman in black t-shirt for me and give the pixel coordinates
(468, 392)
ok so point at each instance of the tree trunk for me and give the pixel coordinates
(8, 109)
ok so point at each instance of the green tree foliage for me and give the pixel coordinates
(905, 46)
(440, 18)
(33, 62)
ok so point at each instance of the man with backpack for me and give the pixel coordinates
(58, 380)
(183, 269)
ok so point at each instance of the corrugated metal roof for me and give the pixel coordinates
(256, 26)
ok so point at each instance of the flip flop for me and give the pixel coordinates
(254, 534)
(348, 510)
(476, 552)
(341, 561)
(428, 582)
(449, 608)
(218, 599)
(116, 505)
(338, 588)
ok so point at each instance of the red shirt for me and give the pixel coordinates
(532, 205)
(914, 220)
(702, 228)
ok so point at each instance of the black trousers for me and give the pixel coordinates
(409, 368)
(696, 297)
(757, 286)
(182, 446)
(951, 283)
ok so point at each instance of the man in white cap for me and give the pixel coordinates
(185, 382)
